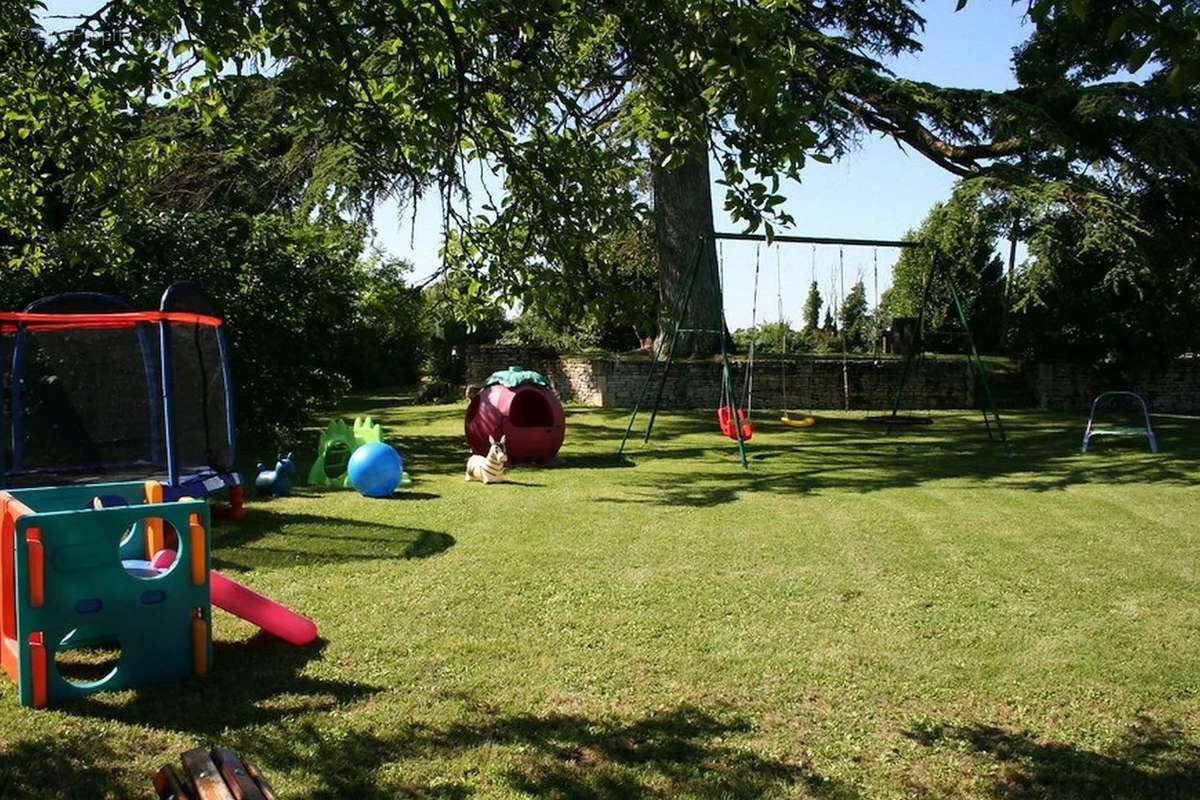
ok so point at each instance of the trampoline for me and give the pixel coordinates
(94, 389)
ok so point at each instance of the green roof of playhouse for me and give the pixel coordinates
(514, 376)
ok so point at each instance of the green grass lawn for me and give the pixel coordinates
(923, 615)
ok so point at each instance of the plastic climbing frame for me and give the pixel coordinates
(66, 582)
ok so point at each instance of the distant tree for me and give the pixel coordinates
(768, 337)
(829, 326)
(856, 318)
(881, 320)
(1099, 291)
(962, 232)
(812, 308)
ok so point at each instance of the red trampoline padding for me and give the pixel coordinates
(725, 418)
(12, 321)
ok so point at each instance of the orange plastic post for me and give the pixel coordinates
(199, 567)
(153, 525)
(37, 567)
(10, 511)
(8, 592)
(199, 642)
(38, 666)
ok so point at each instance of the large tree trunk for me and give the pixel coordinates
(683, 214)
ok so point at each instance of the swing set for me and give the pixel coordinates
(735, 422)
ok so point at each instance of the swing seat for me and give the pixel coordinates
(725, 418)
(803, 421)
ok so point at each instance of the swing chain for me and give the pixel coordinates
(748, 380)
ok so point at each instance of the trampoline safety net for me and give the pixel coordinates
(83, 393)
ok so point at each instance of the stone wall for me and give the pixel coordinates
(615, 380)
(1175, 389)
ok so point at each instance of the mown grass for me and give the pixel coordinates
(857, 616)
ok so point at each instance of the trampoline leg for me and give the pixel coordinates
(237, 502)
(1085, 444)
(236, 510)
(1153, 442)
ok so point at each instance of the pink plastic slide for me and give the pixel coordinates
(251, 606)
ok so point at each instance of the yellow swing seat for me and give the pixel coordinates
(803, 421)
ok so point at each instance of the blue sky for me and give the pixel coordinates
(877, 191)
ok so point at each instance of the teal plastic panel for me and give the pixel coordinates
(90, 597)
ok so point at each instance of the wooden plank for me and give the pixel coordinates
(239, 781)
(200, 769)
(168, 786)
(268, 792)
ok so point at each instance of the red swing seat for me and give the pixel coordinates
(725, 419)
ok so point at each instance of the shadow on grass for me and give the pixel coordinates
(319, 540)
(1152, 760)
(311, 492)
(851, 455)
(254, 682)
(840, 453)
(684, 751)
(72, 764)
(598, 461)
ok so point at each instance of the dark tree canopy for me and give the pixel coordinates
(560, 104)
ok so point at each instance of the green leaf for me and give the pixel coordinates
(1140, 56)
(1119, 26)
(1184, 76)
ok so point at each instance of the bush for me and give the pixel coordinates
(307, 316)
(389, 340)
(448, 337)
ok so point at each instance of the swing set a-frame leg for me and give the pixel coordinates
(684, 304)
(977, 362)
(993, 423)
(918, 345)
(726, 373)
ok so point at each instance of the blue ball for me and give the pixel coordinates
(375, 470)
